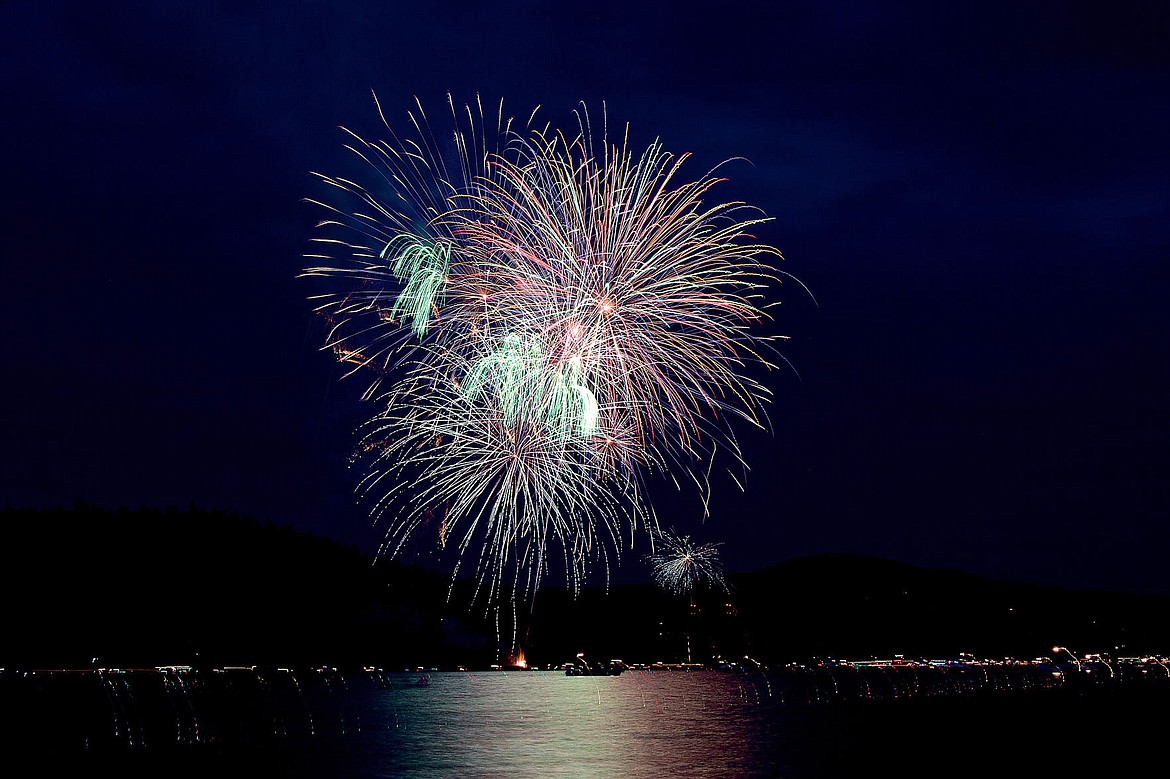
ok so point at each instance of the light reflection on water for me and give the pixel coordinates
(545, 724)
(698, 724)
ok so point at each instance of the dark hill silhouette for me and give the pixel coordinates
(188, 587)
(851, 607)
(161, 587)
(841, 605)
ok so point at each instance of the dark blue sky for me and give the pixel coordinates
(976, 196)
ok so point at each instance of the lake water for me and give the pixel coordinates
(650, 724)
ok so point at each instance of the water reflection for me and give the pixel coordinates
(540, 724)
(797, 722)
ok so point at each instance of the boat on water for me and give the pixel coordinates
(581, 667)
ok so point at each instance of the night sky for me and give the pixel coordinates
(975, 194)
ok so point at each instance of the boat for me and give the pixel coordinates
(581, 667)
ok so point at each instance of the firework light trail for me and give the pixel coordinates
(545, 320)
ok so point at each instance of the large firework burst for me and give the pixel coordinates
(546, 319)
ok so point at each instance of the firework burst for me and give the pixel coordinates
(546, 319)
(679, 565)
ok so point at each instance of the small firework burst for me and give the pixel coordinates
(679, 565)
